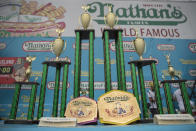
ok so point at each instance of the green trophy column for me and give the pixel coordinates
(64, 90)
(32, 101)
(118, 63)
(122, 63)
(156, 87)
(143, 92)
(15, 101)
(134, 81)
(168, 96)
(42, 91)
(91, 64)
(56, 91)
(77, 66)
(185, 97)
(107, 68)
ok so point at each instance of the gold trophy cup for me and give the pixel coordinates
(58, 44)
(111, 19)
(85, 18)
(139, 45)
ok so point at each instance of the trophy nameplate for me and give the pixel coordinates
(118, 107)
(166, 119)
(83, 109)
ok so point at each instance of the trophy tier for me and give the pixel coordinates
(84, 34)
(55, 63)
(21, 122)
(27, 83)
(142, 62)
(113, 33)
(173, 81)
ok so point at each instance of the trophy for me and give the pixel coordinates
(18, 84)
(89, 35)
(110, 19)
(58, 44)
(166, 84)
(28, 71)
(85, 18)
(171, 71)
(139, 45)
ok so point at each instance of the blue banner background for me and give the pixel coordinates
(14, 48)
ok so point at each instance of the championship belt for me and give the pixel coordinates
(82, 108)
(118, 107)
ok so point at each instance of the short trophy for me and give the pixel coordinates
(111, 19)
(85, 18)
(58, 44)
(171, 71)
(175, 79)
(139, 45)
(18, 87)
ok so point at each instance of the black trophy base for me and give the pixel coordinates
(21, 122)
(144, 121)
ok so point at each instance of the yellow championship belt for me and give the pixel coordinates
(118, 107)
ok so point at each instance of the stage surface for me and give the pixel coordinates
(133, 127)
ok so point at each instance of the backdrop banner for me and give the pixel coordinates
(28, 27)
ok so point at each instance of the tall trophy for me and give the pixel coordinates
(89, 35)
(111, 19)
(58, 44)
(139, 44)
(84, 108)
(85, 18)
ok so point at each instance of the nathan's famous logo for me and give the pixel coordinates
(168, 15)
(37, 46)
(51, 85)
(192, 47)
(84, 46)
(128, 46)
(165, 47)
(188, 83)
(12, 86)
(79, 103)
(116, 98)
(192, 72)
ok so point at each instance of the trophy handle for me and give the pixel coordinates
(52, 43)
(65, 45)
(79, 21)
(116, 20)
(105, 20)
(90, 22)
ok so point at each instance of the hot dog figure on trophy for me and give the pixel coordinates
(171, 71)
